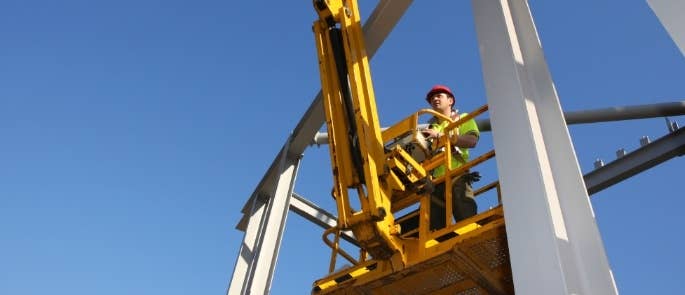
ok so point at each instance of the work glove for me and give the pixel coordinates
(472, 177)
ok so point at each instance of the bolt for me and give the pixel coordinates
(599, 163)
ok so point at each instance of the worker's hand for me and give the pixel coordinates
(430, 133)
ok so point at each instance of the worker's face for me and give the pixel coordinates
(441, 101)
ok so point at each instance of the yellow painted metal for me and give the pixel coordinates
(473, 262)
(400, 128)
(388, 171)
(335, 246)
(400, 159)
(347, 84)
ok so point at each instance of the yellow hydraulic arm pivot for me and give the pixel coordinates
(356, 145)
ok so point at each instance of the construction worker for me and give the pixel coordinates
(462, 138)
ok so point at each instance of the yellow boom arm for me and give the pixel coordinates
(355, 141)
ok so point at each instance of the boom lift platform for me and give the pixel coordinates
(389, 171)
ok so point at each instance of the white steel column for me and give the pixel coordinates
(247, 256)
(256, 263)
(554, 243)
(670, 13)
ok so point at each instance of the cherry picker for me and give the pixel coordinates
(379, 174)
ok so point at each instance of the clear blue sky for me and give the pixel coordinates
(134, 131)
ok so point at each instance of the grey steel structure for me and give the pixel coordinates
(670, 13)
(647, 156)
(572, 260)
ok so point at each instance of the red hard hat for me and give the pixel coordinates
(437, 89)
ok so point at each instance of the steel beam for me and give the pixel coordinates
(554, 243)
(670, 13)
(647, 156)
(255, 266)
(244, 265)
(676, 108)
(318, 216)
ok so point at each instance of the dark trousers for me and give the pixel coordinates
(463, 203)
